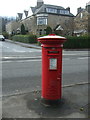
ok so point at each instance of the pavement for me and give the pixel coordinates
(73, 104)
(25, 44)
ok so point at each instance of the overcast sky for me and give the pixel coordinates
(12, 7)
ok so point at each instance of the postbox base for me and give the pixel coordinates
(48, 103)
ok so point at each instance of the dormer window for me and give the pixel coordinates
(51, 10)
(64, 12)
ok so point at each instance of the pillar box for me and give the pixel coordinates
(51, 67)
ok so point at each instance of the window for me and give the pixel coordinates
(51, 10)
(64, 12)
(61, 11)
(41, 21)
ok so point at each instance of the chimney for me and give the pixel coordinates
(88, 7)
(20, 15)
(26, 13)
(68, 8)
(79, 10)
(39, 3)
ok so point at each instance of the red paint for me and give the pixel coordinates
(51, 78)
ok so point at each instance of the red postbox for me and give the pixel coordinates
(51, 66)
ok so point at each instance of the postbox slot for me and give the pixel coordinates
(55, 52)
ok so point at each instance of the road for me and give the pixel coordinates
(21, 68)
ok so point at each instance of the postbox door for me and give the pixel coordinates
(54, 78)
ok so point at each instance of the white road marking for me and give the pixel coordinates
(82, 58)
(3, 46)
(21, 61)
(26, 51)
(17, 50)
(76, 54)
(21, 57)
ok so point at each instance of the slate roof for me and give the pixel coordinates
(42, 9)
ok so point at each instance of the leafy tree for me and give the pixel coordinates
(89, 24)
(23, 31)
(48, 30)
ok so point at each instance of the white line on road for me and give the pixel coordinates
(5, 47)
(34, 60)
(82, 58)
(14, 57)
(17, 50)
(76, 54)
(20, 61)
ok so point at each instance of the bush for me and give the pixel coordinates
(25, 38)
(23, 31)
(6, 35)
(74, 42)
(48, 30)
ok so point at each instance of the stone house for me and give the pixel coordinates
(12, 27)
(57, 17)
(81, 21)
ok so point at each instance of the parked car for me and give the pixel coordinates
(2, 38)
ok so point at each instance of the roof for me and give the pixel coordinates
(88, 3)
(83, 10)
(79, 31)
(42, 9)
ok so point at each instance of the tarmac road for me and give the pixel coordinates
(21, 68)
(24, 75)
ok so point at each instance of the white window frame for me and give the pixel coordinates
(41, 20)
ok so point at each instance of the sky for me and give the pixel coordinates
(10, 8)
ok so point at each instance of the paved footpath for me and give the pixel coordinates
(74, 104)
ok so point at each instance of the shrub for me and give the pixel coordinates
(48, 30)
(77, 42)
(6, 35)
(25, 38)
(23, 31)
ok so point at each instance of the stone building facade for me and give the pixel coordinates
(57, 17)
(81, 21)
(12, 27)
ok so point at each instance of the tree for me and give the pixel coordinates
(23, 31)
(48, 30)
(89, 24)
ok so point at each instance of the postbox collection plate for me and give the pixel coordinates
(53, 63)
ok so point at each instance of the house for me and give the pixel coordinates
(81, 20)
(57, 17)
(60, 19)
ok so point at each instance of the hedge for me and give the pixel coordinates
(74, 42)
(25, 38)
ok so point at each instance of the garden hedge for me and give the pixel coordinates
(74, 42)
(25, 38)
